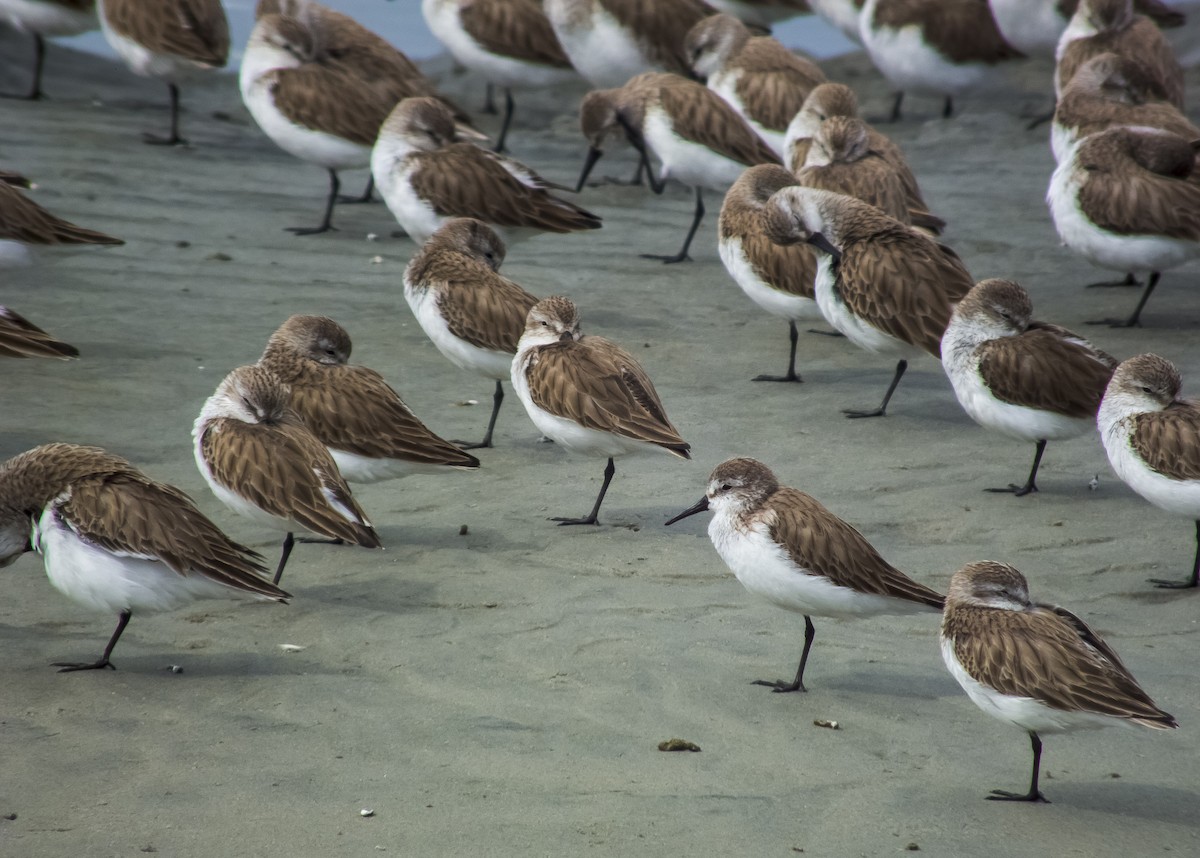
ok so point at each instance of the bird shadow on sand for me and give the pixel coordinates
(1129, 798)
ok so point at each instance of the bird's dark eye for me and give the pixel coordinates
(545, 324)
(725, 487)
(1146, 389)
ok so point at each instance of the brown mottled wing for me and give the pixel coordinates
(1169, 440)
(890, 152)
(1142, 45)
(598, 385)
(276, 468)
(819, 541)
(1040, 369)
(791, 269)
(1133, 200)
(916, 278)
(774, 82)
(326, 100)
(702, 116)
(1050, 655)
(21, 338)
(514, 28)
(21, 219)
(661, 26)
(196, 30)
(128, 514)
(870, 179)
(488, 312)
(461, 180)
(963, 31)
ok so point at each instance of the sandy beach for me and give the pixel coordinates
(503, 692)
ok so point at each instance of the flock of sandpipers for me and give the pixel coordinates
(822, 218)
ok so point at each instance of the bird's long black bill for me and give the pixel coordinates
(820, 242)
(593, 156)
(699, 506)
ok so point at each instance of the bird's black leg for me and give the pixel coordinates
(881, 411)
(1190, 582)
(791, 375)
(682, 255)
(69, 666)
(1132, 321)
(899, 99)
(797, 684)
(489, 101)
(1130, 280)
(948, 107)
(1030, 485)
(326, 224)
(592, 517)
(497, 398)
(288, 542)
(508, 113)
(35, 89)
(174, 139)
(367, 196)
(1033, 794)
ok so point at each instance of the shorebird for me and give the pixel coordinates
(698, 137)
(843, 14)
(24, 223)
(115, 540)
(943, 47)
(841, 160)
(1028, 380)
(760, 78)
(169, 39)
(473, 314)
(263, 463)
(1112, 26)
(588, 394)
(1123, 199)
(1034, 27)
(888, 287)
(426, 178)
(1037, 667)
(1152, 438)
(777, 278)
(21, 338)
(370, 432)
(762, 14)
(510, 43)
(610, 41)
(784, 546)
(43, 18)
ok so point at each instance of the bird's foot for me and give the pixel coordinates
(1164, 584)
(826, 333)
(1014, 489)
(309, 230)
(1116, 323)
(854, 415)
(565, 522)
(667, 260)
(312, 540)
(779, 686)
(156, 140)
(72, 666)
(1004, 795)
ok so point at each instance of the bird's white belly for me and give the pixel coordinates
(910, 63)
(688, 162)
(859, 332)
(1181, 497)
(603, 51)
(307, 144)
(485, 362)
(413, 213)
(444, 22)
(774, 301)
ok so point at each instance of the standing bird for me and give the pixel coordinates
(168, 39)
(1126, 199)
(370, 432)
(21, 338)
(1025, 379)
(24, 223)
(1152, 438)
(943, 47)
(117, 541)
(1037, 667)
(473, 314)
(1034, 27)
(889, 288)
(426, 178)
(784, 546)
(263, 463)
(760, 78)
(698, 137)
(777, 278)
(42, 18)
(508, 42)
(587, 393)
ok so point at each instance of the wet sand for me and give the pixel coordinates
(503, 692)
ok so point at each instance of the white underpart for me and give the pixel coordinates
(691, 163)
(14, 254)
(1115, 422)
(114, 581)
(356, 468)
(486, 362)
(960, 359)
(45, 18)
(142, 61)
(307, 144)
(765, 569)
(912, 64)
(1031, 26)
(604, 52)
(843, 14)
(775, 301)
(1024, 712)
(1136, 253)
(859, 332)
(724, 84)
(392, 168)
(1062, 139)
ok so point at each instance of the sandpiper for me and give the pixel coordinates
(24, 223)
(1123, 199)
(587, 393)
(841, 160)
(170, 39)
(610, 41)
(473, 314)
(1152, 438)
(370, 432)
(1034, 27)
(777, 278)
(21, 338)
(508, 42)
(760, 78)
(426, 178)
(943, 47)
(115, 540)
(43, 18)
(1026, 379)
(1037, 667)
(263, 463)
(762, 14)
(888, 287)
(698, 137)
(784, 546)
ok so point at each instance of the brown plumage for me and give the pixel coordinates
(788, 268)
(21, 338)
(329, 100)
(660, 27)
(23, 220)
(699, 115)
(962, 31)
(1167, 439)
(195, 30)
(514, 28)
